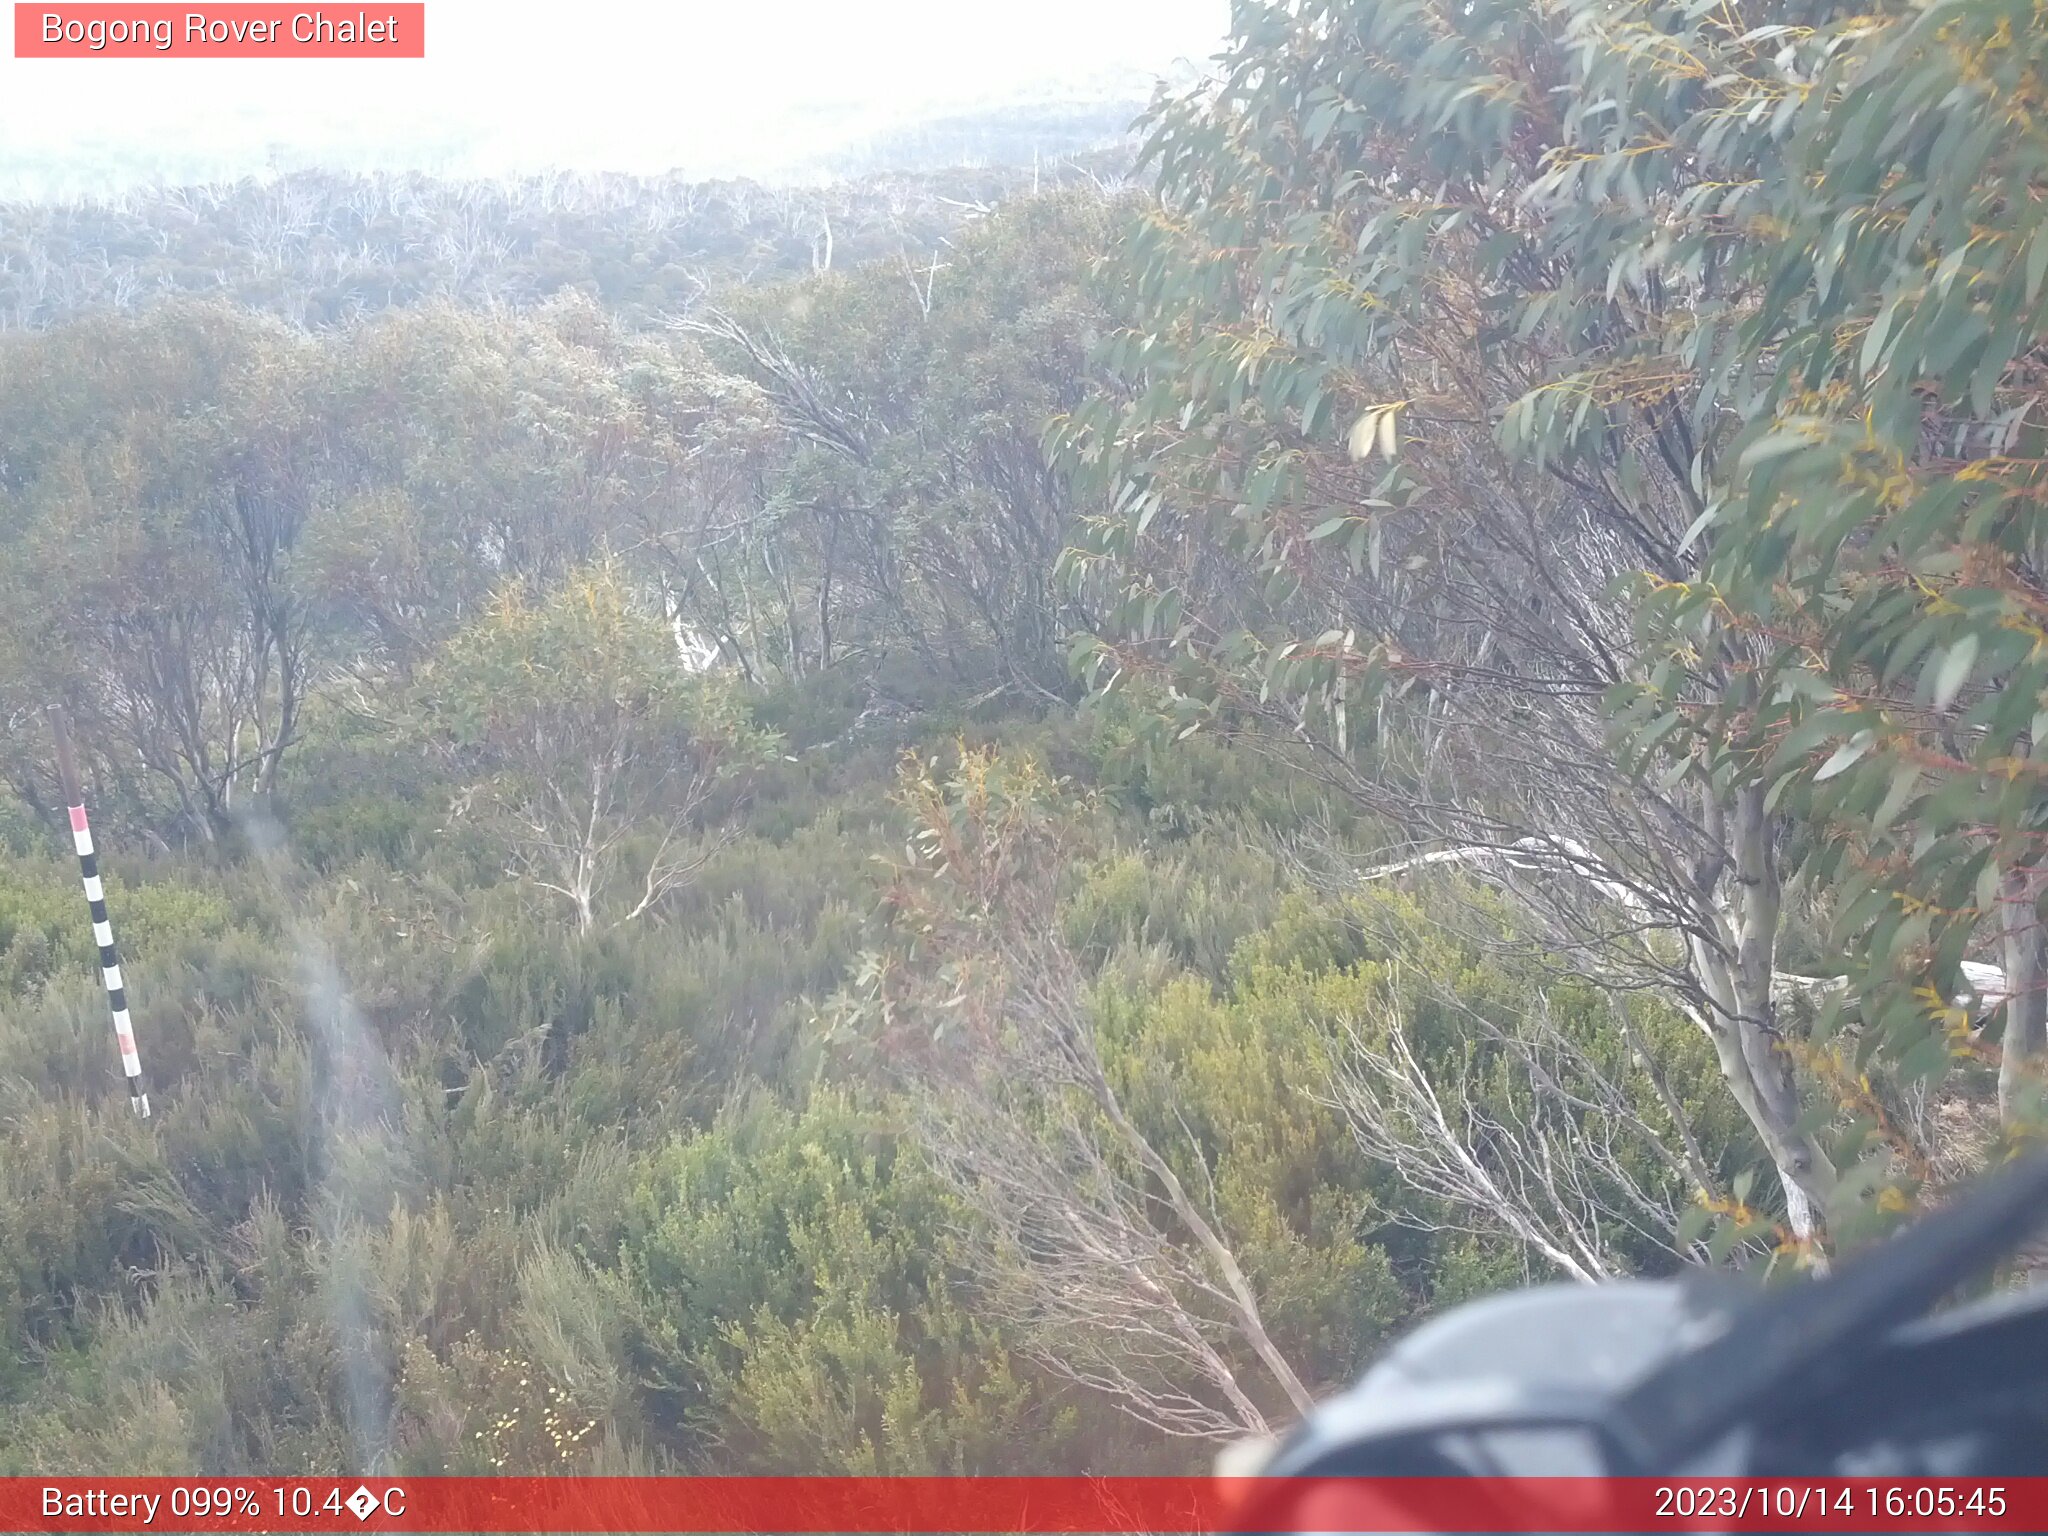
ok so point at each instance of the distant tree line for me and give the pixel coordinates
(319, 248)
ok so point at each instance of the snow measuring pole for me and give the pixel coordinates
(96, 901)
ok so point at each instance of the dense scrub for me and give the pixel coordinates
(435, 1178)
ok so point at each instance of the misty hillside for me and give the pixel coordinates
(1088, 114)
(320, 247)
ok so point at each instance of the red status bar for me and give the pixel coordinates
(1166, 1505)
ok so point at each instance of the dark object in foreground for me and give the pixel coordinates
(1701, 1376)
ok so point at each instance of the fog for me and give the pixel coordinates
(771, 91)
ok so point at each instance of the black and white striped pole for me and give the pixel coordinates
(102, 929)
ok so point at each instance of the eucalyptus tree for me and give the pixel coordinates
(153, 494)
(1875, 530)
(903, 502)
(593, 756)
(1457, 331)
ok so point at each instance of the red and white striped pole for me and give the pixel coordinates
(102, 929)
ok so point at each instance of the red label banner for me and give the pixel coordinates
(222, 31)
(1059, 1506)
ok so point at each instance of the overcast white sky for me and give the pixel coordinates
(711, 86)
